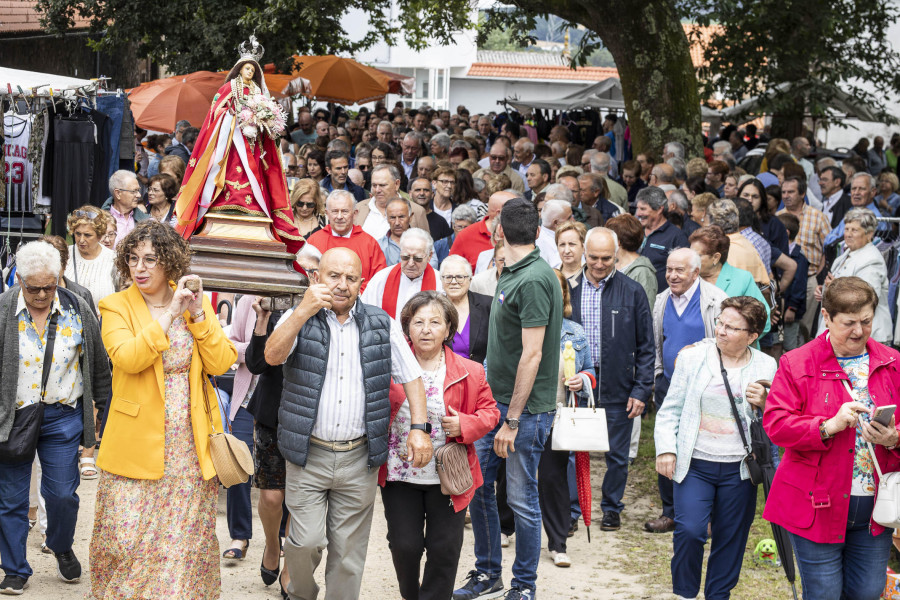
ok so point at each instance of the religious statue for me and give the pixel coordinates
(236, 165)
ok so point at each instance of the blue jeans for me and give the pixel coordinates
(238, 509)
(711, 491)
(58, 452)
(849, 571)
(522, 493)
(114, 108)
(618, 427)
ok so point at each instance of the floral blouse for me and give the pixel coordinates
(65, 383)
(399, 469)
(857, 369)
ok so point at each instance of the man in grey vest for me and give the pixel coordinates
(339, 356)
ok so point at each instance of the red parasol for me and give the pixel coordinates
(583, 479)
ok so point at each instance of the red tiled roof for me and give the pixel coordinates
(699, 37)
(20, 16)
(509, 71)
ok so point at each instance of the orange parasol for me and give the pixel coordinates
(342, 80)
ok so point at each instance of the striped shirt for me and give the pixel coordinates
(763, 247)
(813, 229)
(342, 403)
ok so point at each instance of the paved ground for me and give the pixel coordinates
(600, 570)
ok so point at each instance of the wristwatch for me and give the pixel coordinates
(512, 423)
(824, 432)
(426, 427)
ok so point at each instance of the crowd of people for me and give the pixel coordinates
(452, 259)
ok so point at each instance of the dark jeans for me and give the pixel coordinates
(522, 488)
(58, 452)
(664, 483)
(618, 428)
(713, 492)
(420, 518)
(553, 491)
(848, 571)
(238, 508)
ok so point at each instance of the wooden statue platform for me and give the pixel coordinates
(237, 253)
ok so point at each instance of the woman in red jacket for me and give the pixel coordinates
(824, 488)
(461, 408)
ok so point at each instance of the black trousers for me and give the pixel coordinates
(420, 518)
(553, 493)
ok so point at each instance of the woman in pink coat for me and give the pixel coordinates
(824, 489)
(461, 409)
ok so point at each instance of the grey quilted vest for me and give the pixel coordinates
(304, 375)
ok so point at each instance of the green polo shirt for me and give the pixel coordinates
(528, 295)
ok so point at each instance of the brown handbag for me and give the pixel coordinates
(452, 461)
(230, 456)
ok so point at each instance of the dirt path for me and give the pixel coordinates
(601, 570)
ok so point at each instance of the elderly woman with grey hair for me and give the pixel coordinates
(473, 309)
(461, 217)
(43, 324)
(742, 253)
(862, 259)
(439, 145)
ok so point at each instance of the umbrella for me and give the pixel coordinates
(159, 105)
(342, 80)
(583, 480)
(763, 454)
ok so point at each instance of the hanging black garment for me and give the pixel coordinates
(74, 152)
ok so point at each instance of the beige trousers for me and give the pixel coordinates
(331, 501)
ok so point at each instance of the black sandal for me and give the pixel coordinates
(284, 593)
(269, 576)
(236, 553)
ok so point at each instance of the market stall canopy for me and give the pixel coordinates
(343, 80)
(41, 83)
(603, 95)
(833, 98)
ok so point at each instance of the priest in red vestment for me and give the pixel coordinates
(236, 165)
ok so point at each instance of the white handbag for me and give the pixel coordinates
(887, 500)
(577, 429)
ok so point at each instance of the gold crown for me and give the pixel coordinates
(252, 51)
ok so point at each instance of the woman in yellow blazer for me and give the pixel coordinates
(154, 527)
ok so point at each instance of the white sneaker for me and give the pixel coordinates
(560, 559)
(504, 540)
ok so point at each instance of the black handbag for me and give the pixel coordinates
(751, 460)
(21, 445)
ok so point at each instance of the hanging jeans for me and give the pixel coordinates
(113, 106)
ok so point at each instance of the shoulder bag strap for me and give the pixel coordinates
(734, 410)
(75, 262)
(48, 354)
(869, 444)
(207, 406)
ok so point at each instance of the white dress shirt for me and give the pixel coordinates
(374, 293)
(376, 223)
(342, 403)
(681, 302)
(485, 261)
(546, 243)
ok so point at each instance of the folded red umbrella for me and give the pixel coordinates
(583, 479)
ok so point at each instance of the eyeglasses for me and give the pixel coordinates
(446, 181)
(87, 214)
(133, 260)
(305, 204)
(132, 192)
(498, 158)
(455, 278)
(37, 289)
(728, 329)
(406, 257)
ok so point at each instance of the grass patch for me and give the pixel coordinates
(650, 554)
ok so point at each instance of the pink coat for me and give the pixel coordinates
(242, 326)
(810, 495)
(467, 391)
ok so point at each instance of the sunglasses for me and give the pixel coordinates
(37, 289)
(87, 214)
(405, 258)
(305, 204)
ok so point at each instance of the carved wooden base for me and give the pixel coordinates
(238, 253)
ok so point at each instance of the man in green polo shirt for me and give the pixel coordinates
(522, 369)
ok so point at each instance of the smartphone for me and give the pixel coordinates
(883, 414)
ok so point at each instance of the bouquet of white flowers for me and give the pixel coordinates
(261, 113)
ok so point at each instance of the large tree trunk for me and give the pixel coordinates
(647, 41)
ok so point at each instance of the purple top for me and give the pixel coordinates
(461, 341)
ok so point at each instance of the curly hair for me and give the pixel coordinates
(171, 249)
(88, 215)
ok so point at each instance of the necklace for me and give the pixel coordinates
(430, 376)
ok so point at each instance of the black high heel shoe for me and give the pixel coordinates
(268, 576)
(284, 593)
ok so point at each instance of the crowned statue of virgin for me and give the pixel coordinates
(236, 165)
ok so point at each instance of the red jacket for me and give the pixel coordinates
(467, 391)
(810, 495)
(365, 246)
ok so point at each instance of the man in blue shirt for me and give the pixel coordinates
(660, 236)
(862, 194)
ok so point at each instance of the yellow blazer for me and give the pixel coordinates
(134, 439)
